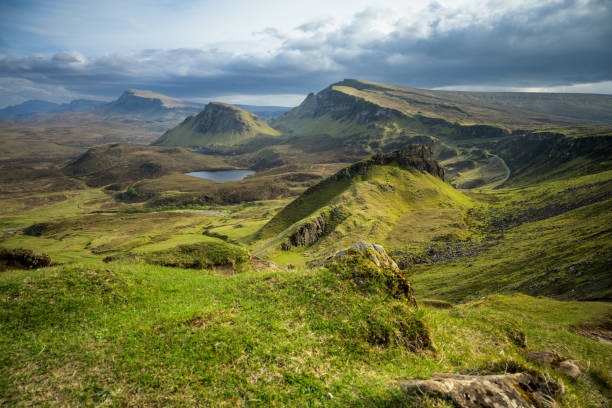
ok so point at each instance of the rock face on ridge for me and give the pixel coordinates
(312, 231)
(417, 157)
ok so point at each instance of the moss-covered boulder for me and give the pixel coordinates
(372, 269)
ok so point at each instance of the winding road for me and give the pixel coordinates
(505, 166)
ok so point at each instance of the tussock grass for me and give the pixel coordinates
(95, 334)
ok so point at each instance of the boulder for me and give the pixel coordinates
(546, 358)
(262, 265)
(571, 368)
(374, 252)
(520, 390)
(371, 268)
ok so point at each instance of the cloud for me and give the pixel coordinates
(547, 44)
(315, 25)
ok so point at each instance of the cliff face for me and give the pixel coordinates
(315, 229)
(339, 105)
(351, 108)
(417, 157)
(549, 154)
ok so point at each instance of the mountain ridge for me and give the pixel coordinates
(218, 124)
(36, 107)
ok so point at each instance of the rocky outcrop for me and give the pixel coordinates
(550, 358)
(547, 358)
(412, 157)
(544, 152)
(314, 229)
(262, 265)
(374, 252)
(519, 390)
(371, 268)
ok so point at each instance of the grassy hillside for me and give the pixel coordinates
(371, 200)
(122, 163)
(153, 298)
(351, 107)
(94, 334)
(218, 124)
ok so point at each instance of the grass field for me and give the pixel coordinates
(95, 334)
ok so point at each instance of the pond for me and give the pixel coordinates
(222, 175)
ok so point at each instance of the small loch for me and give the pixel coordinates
(221, 176)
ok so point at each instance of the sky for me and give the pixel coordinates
(275, 52)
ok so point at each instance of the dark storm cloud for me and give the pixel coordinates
(552, 44)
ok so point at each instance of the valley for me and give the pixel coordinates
(170, 289)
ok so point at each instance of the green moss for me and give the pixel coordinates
(358, 269)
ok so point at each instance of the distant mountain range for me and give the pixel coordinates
(133, 103)
(34, 108)
(148, 105)
(265, 112)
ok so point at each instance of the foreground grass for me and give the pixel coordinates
(95, 334)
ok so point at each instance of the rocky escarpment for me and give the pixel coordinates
(412, 157)
(316, 228)
(541, 154)
(345, 103)
(147, 105)
(340, 105)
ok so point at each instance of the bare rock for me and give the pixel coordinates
(261, 264)
(519, 390)
(546, 358)
(571, 368)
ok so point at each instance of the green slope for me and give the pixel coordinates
(92, 334)
(369, 201)
(218, 124)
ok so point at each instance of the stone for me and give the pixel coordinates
(546, 358)
(571, 368)
(374, 252)
(262, 265)
(520, 390)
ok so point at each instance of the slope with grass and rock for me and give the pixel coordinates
(372, 199)
(218, 124)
